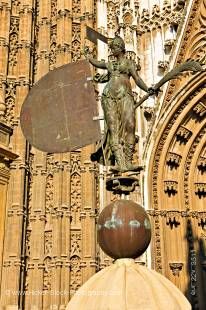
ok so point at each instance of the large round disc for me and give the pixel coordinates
(57, 115)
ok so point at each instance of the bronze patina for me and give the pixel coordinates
(118, 103)
(119, 107)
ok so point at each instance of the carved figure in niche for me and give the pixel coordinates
(118, 105)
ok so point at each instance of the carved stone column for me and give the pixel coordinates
(88, 215)
(6, 156)
(5, 14)
(63, 22)
(16, 88)
(37, 220)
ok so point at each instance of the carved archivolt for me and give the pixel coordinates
(193, 42)
(198, 47)
(177, 177)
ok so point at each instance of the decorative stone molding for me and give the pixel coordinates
(200, 189)
(176, 268)
(75, 272)
(192, 150)
(200, 109)
(183, 134)
(202, 219)
(132, 55)
(7, 156)
(156, 11)
(173, 160)
(16, 212)
(37, 216)
(144, 16)
(197, 48)
(173, 218)
(76, 239)
(2, 106)
(162, 65)
(159, 18)
(127, 16)
(202, 215)
(179, 5)
(10, 98)
(148, 113)
(7, 263)
(170, 187)
(166, 143)
(168, 44)
(201, 164)
(112, 12)
(157, 212)
(5, 133)
(179, 213)
(6, 5)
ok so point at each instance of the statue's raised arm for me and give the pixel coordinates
(96, 63)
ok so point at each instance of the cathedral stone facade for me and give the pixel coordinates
(50, 202)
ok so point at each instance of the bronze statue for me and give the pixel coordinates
(50, 132)
(119, 107)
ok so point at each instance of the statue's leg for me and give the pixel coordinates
(113, 124)
(129, 123)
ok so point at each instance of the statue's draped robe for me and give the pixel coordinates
(118, 106)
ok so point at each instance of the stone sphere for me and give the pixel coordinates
(123, 229)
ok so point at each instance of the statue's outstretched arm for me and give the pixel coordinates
(97, 63)
(139, 82)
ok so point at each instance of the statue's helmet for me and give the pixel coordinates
(117, 41)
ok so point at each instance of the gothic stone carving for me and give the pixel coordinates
(202, 164)
(183, 134)
(200, 109)
(173, 160)
(170, 187)
(200, 189)
(176, 268)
